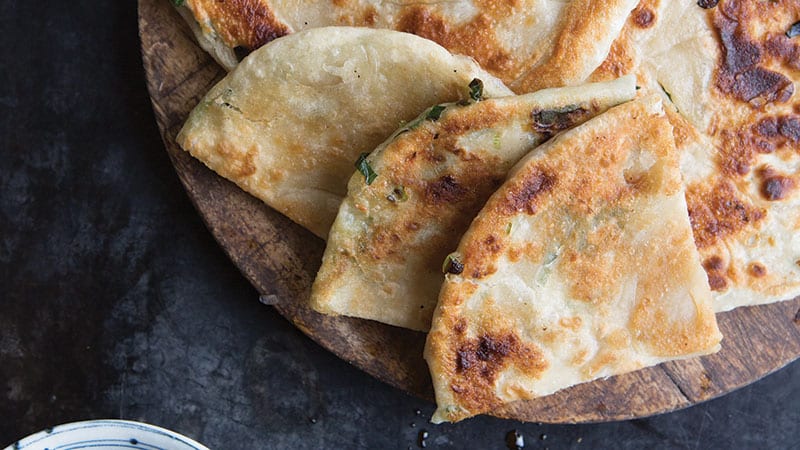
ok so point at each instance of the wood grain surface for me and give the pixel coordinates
(281, 259)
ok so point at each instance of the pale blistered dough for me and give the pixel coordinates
(288, 124)
(739, 140)
(580, 266)
(386, 248)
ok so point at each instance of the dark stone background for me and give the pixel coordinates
(117, 303)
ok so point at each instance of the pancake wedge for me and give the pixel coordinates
(385, 250)
(730, 76)
(288, 124)
(581, 266)
(538, 43)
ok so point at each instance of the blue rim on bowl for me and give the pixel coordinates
(106, 434)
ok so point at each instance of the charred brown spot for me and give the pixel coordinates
(460, 326)
(774, 185)
(444, 190)
(713, 263)
(264, 33)
(739, 148)
(551, 121)
(478, 362)
(784, 49)
(767, 127)
(643, 17)
(707, 4)
(486, 354)
(757, 270)
(492, 245)
(739, 74)
(716, 281)
(759, 86)
(718, 212)
(464, 360)
(789, 127)
(777, 187)
(522, 197)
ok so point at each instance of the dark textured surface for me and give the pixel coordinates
(117, 303)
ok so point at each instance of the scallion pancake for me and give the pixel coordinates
(581, 266)
(290, 122)
(420, 190)
(730, 75)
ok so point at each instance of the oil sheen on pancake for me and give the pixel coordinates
(582, 265)
(392, 234)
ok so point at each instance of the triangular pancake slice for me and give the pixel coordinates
(581, 266)
(385, 250)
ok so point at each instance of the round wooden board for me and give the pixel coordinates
(281, 260)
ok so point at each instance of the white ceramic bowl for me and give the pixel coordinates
(106, 434)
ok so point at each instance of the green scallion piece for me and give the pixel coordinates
(476, 89)
(363, 166)
(435, 113)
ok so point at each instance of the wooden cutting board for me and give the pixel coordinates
(281, 259)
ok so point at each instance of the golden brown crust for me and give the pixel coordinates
(522, 195)
(584, 24)
(442, 197)
(719, 213)
(476, 38)
(739, 134)
(240, 23)
(449, 197)
(387, 247)
(756, 120)
(602, 278)
(506, 37)
(480, 360)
